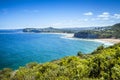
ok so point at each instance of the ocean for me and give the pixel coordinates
(18, 49)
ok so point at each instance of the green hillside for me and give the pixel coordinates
(102, 64)
(100, 32)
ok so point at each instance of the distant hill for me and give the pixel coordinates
(45, 30)
(57, 30)
(100, 32)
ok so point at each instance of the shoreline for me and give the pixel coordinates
(114, 41)
(107, 41)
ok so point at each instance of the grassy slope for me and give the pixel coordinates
(102, 64)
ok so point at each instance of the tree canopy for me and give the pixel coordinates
(104, 64)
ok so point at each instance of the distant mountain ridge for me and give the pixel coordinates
(84, 32)
(57, 30)
(48, 30)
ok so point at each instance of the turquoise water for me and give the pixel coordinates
(18, 49)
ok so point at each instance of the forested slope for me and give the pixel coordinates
(102, 64)
(100, 32)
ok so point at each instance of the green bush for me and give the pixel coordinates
(103, 65)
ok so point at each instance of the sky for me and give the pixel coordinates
(15, 14)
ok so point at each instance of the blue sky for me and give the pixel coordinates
(58, 13)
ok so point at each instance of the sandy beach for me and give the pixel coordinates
(104, 41)
(112, 41)
(68, 35)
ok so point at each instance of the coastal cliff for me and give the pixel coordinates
(103, 32)
(86, 35)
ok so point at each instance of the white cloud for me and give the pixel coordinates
(85, 20)
(112, 21)
(93, 19)
(116, 16)
(88, 14)
(104, 16)
(107, 16)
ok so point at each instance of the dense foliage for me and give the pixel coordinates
(102, 32)
(102, 64)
